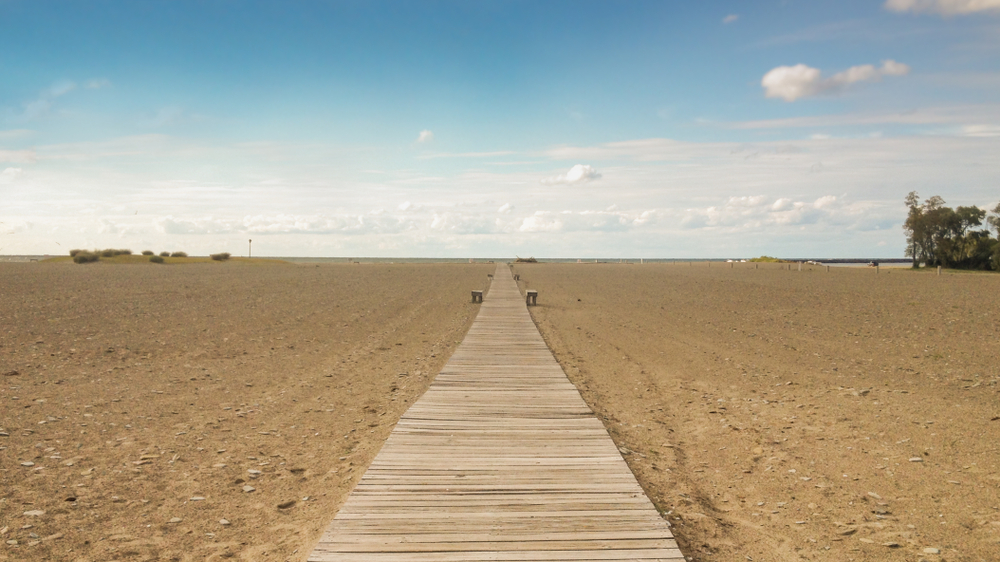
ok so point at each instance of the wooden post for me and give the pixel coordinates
(800, 266)
(876, 269)
(828, 269)
(531, 298)
(939, 271)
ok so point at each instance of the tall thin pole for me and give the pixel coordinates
(250, 248)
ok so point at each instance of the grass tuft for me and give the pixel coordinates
(156, 259)
(220, 257)
(178, 254)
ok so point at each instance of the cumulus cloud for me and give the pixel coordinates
(730, 18)
(425, 136)
(541, 221)
(943, 7)
(800, 81)
(580, 173)
(505, 208)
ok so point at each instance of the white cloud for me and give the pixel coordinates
(580, 173)
(825, 201)
(782, 204)
(61, 89)
(18, 156)
(9, 175)
(505, 209)
(541, 221)
(800, 81)
(981, 130)
(730, 18)
(425, 136)
(464, 154)
(943, 7)
(948, 115)
(11, 134)
(97, 83)
(405, 206)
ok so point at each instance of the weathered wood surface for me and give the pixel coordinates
(501, 459)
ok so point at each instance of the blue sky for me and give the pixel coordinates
(561, 129)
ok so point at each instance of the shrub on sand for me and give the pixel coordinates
(220, 257)
(124, 252)
(107, 253)
(165, 254)
(85, 257)
(178, 255)
(73, 253)
(147, 252)
(156, 259)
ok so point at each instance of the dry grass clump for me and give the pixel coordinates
(178, 254)
(165, 254)
(220, 257)
(156, 259)
(147, 252)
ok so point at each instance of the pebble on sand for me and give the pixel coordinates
(223, 522)
(175, 520)
(916, 459)
(248, 489)
(931, 550)
(34, 513)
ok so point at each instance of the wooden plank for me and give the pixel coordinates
(501, 459)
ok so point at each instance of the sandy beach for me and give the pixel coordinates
(206, 411)
(785, 415)
(224, 411)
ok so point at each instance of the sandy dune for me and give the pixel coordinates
(785, 415)
(141, 405)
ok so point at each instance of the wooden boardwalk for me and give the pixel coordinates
(500, 459)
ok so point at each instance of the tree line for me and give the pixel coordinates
(958, 238)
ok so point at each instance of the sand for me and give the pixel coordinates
(786, 415)
(770, 414)
(142, 405)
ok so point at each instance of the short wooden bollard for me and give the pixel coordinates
(477, 296)
(531, 298)
(800, 266)
(517, 277)
(939, 271)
